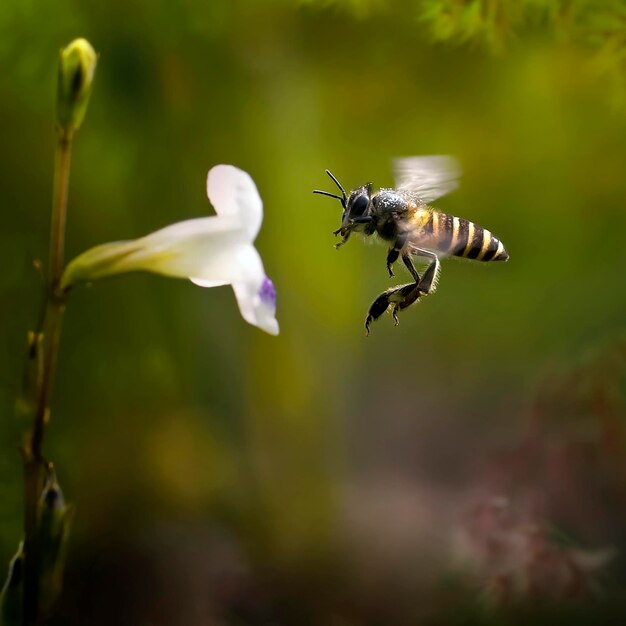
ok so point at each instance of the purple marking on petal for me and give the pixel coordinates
(267, 293)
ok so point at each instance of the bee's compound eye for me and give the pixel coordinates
(359, 206)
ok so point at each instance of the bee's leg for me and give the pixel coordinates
(392, 257)
(378, 307)
(345, 231)
(345, 235)
(406, 257)
(427, 284)
(397, 298)
(394, 252)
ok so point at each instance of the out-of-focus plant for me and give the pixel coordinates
(77, 66)
(515, 559)
(209, 251)
(575, 444)
(599, 25)
(593, 392)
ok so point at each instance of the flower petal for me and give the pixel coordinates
(255, 292)
(208, 283)
(233, 194)
(203, 247)
(256, 307)
(208, 248)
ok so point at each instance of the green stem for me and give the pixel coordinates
(34, 463)
(59, 205)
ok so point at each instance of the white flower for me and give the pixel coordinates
(210, 251)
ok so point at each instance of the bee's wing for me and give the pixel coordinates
(429, 177)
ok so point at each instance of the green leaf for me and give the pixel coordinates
(11, 594)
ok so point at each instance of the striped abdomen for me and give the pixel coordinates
(459, 237)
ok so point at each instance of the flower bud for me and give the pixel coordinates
(54, 521)
(77, 64)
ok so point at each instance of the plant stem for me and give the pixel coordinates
(59, 205)
(34, 463)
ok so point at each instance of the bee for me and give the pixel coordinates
(403, 217)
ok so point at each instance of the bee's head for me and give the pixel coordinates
(355, 207)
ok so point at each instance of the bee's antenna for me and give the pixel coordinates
(343, 192)
(343, 198)
(330, 195)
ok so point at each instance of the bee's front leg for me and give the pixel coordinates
(398, 298)
(345, 231)
(345, 234)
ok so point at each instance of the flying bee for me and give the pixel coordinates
(402, 216)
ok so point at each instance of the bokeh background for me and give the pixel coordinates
(468, 466)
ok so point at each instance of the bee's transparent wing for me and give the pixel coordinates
(429, 177)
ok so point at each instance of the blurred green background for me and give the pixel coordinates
(223, 476)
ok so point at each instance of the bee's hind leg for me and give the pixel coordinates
(398, 298)
(403, 296)
(428, 282)
(406, 258)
